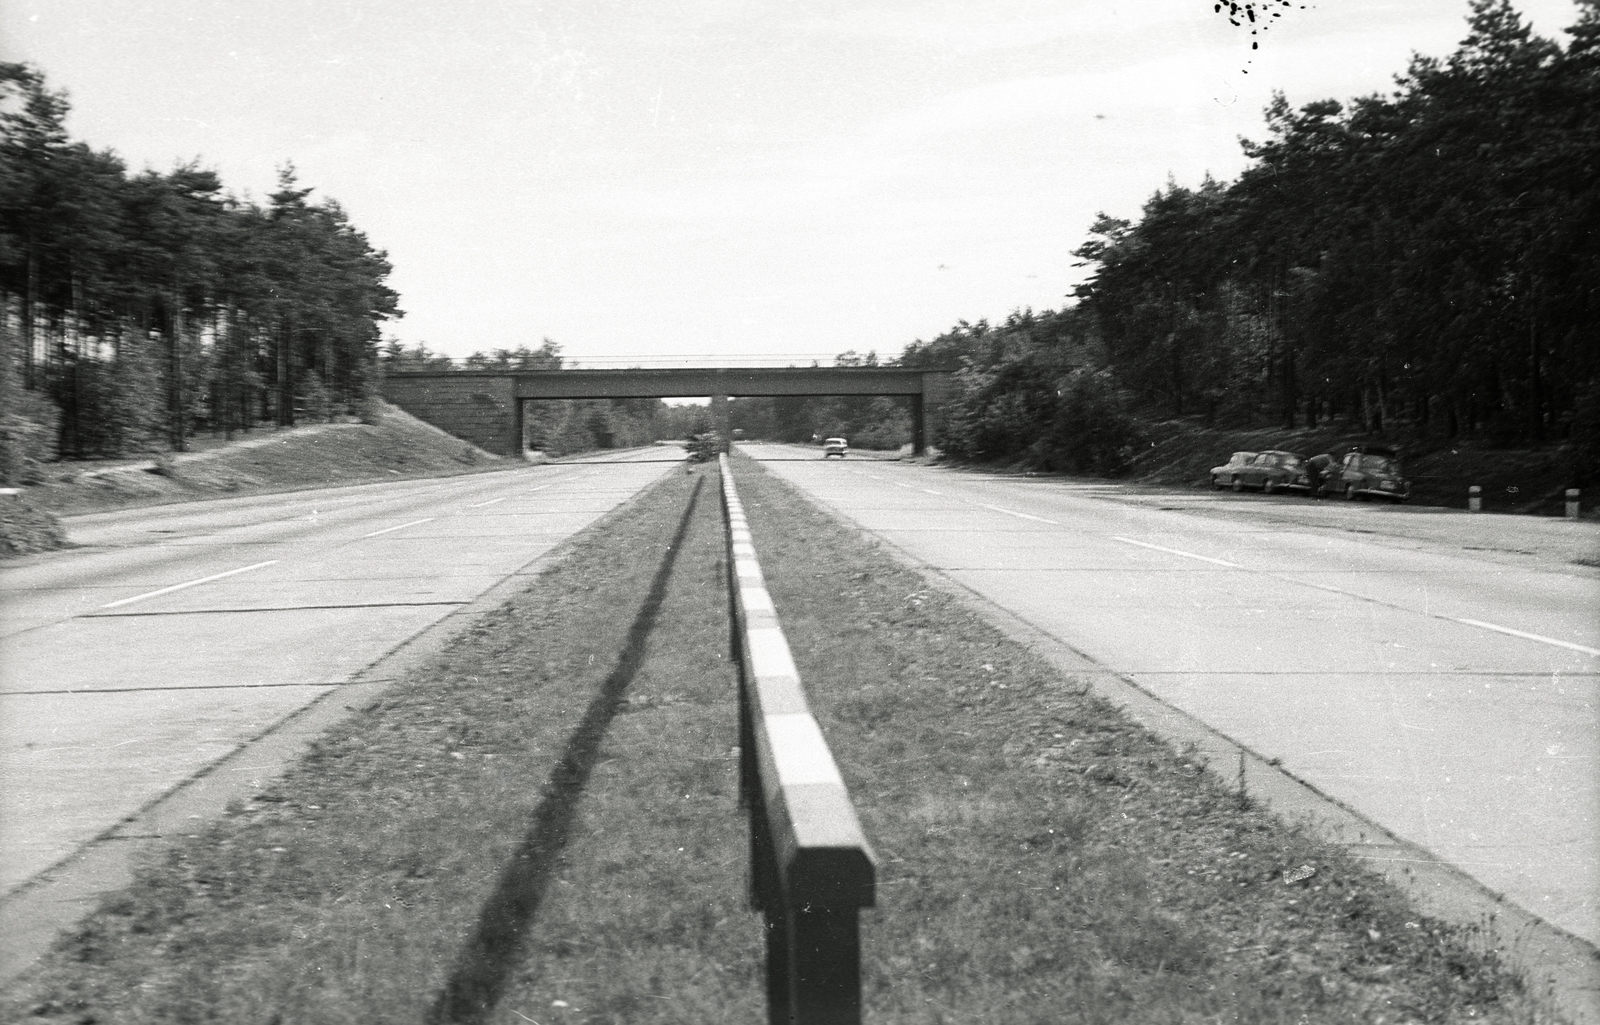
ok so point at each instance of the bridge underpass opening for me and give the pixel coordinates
(487, 407)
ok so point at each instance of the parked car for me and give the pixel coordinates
(1273, 470)
(1367, 471)
(835, 447)
(1222, 475)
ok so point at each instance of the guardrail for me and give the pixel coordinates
(811, 868)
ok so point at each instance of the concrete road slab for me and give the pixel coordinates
(1448, 697)
(201, 649)
(145, 740)
(179, 631)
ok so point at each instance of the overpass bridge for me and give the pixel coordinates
(485, 407)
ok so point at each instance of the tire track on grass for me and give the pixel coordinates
(497, 943)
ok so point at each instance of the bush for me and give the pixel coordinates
(27, 436)
(702, 448)
(1091, 430)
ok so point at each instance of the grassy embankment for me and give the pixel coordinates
(395, 446)
(1527, 481)
(1042, 859)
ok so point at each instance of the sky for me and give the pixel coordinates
(742, 179)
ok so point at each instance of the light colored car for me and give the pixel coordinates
(1222, 475)
(1369, 471)
(835, 447)
(1272, 471)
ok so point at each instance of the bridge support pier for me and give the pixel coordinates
(719, 415)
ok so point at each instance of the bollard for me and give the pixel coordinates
(1572, 503)
(1474, 499)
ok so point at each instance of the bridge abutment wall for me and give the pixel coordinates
(480, 408)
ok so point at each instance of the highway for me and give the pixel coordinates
(1437, 672)
(171, 636)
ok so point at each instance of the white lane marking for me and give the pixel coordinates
(1174, 551)
(402, 526)
(491, 501)
(1020, 515)
(191, 583)
(908, 487)
(930, 491)
(1527, 636)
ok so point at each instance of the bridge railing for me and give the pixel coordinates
(811, 868)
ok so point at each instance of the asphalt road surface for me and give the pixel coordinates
(172, 635)
(1438, 672)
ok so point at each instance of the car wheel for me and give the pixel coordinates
(1216, 482)
(1268, 486)
(1238, 485)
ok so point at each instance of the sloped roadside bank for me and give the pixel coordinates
(1513, 480)
(394, 446)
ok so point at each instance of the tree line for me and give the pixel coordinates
(137, 308)
(1428, 257)
(1422, 262)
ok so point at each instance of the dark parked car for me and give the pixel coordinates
(1367, 471)
(1270, 471)
(1222, 475)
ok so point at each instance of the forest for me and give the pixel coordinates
(1423, 263)
(138, 308)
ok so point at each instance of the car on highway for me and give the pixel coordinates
(1221, 475)
(1368, 471)
(1273, 470)
(835, 447)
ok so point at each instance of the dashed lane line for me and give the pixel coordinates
(273, 608)
(402, 526)
(1527, 636)
(187, 583)
(1020, 515)
(1480, 624)
(1174, 551)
